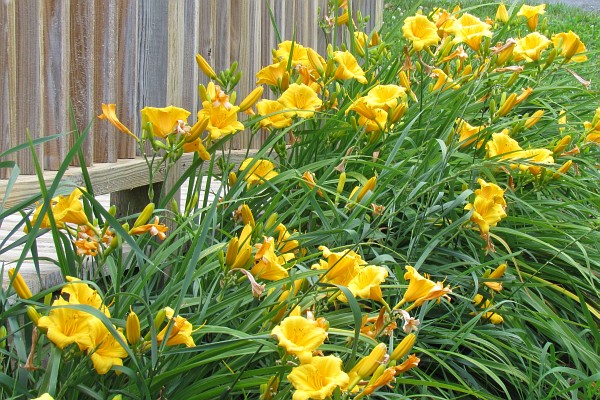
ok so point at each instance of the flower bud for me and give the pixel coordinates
(232, 251)
(203, 93)
(271, 221)
(502, 14)
(563, 169)
(19, 284)
(252, 98)
(144, 216)
(3, 334)
(368, 186)
(33, 314)
(160, 317)
(197, 130)
(247, 217)
(231, 179)
(341, 183)
(403, 347)
(369, 364)
(534, 119)
(315, 61)
(562, 144)
(132, 327)
(205, 67)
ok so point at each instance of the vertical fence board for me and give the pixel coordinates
(28, 83)
(81, 85)
(192, 32)
(127, 75)
(55, 106)
(8, 137)
(105, 70)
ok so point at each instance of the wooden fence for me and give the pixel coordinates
(59, 53)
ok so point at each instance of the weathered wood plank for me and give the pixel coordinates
(55, 106)
(127, 75)
(81, 85)
(8, 135)
(105, 70)
(28, 78)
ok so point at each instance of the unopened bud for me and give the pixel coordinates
(562, 145)
(252, 98)
(205, 67)
(231, 179)
(144, 216)
(341, 183)
(563, 169)
(132, 328)
(403, 347)
(534, 119)
(247, 217)
(369, 364)
(33, 314)
(19, 284)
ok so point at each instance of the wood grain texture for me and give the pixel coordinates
(127, 75)
(28, 78)
(190, 40)
(81, 84)
(55, 102)
(105, 69)
(8, 132)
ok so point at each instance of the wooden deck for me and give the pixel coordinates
(50, 274)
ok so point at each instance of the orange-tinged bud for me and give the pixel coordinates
(252, 98)
(205, 67)
(19, 284)
(368, 186)
(498, 272)
(562, 145)
(403, 347)
(132, 328)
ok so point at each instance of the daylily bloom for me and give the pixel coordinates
(570, 46)
(348, 67)
(66, 326)
(297, 51)
(470, 30)
(420, 31)
(496, 274)
(366, 283)
(109, 113)
(502, 146)
(410, 323)
(318, 379)
(539, 156)
(504, 51)
(154, 228)
(105, 350)
(593, 128)
(309, 178)
(372, 118)
(260, 171)
(274, 74)
(65, 210)
(268, 265)
(385, 96)
(81, 293)
(421, 289)
(181, 330)
(489, 206)
(284, 243)
(443, 81)
(278, 120)
(222, 121)
(468, 133)
(532, 14)
(341, 267)
(299, 336)
(163, 120)
(300, 100)
(530, 47)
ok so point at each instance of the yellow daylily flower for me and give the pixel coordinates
(260, 171)
(366, 284)
(278, 120)
(318, 379)
(300, 100)
(297, 51)
(530, 47)
(593, 128)
(181, 330)
(420, 31)
(45, 396)
(502, 146)
(421, 289)
(347, 67)
(299, 336)
(532, 14)
(81, 293)
(109, 113)
(222, 121)
(341, 267)
(66, 326)
(540, 156)
(164, 120)
(468, 133)
(570, 46)
(470, 30)
(65, 210)
(105, 351)
(489, 206)
(385, 96)
(268, 265)
(443, 81)
(273, 75)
